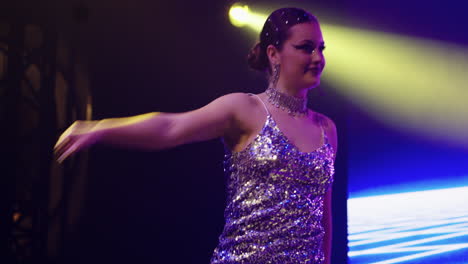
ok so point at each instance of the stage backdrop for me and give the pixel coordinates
(407, 196)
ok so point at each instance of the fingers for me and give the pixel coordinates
(67, 153)
(65, 135)
(66, 145)
(78, 136)
(61, 143)
(61, 148)
(69, 149)
(62, 140)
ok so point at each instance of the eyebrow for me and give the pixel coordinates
(312, 42)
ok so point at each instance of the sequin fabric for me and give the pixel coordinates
(275, 197)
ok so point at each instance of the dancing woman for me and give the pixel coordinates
(279, 154)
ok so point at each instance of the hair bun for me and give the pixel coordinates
(257, 59)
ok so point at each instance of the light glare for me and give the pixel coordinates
(240, 16)
(418, 223)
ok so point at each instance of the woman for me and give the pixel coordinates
(279, 154)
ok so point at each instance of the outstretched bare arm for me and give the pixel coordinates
(154, 131)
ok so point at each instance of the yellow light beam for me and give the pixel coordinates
(410, 83)
(413, 84)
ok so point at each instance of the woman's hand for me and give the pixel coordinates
(80, 135)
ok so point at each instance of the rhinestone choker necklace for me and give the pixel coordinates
(293, 105)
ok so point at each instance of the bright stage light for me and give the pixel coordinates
(412, 84)
(396, 228)
(240, 16)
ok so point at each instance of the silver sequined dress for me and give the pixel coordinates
(275, 201)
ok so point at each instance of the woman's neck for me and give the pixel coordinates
(290, 90)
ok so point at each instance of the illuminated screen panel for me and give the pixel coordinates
(408, 198)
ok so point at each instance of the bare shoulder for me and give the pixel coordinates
(235, 96)
(329, 128)
(243, 106)
(324, 121)
(237, 100)
(241, 103)
(231, 105)
(247, 115)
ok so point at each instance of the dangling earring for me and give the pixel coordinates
(275, 75)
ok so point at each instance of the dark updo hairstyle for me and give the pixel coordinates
(275, 31)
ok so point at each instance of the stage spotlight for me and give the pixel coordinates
(240, 16)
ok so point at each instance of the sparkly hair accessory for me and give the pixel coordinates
(278, 23)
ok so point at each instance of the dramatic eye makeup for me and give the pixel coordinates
(309, 47)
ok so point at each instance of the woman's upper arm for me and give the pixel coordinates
(333, 135)
(211, 121)
(330, 130)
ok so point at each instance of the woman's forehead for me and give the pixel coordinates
(306, 31)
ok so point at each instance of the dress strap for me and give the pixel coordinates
(266, 109)
(324, 135)
(321, 122)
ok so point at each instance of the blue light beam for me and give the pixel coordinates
(414, 224)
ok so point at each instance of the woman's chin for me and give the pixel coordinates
(312, 84)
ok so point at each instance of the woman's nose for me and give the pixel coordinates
(317, 55)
